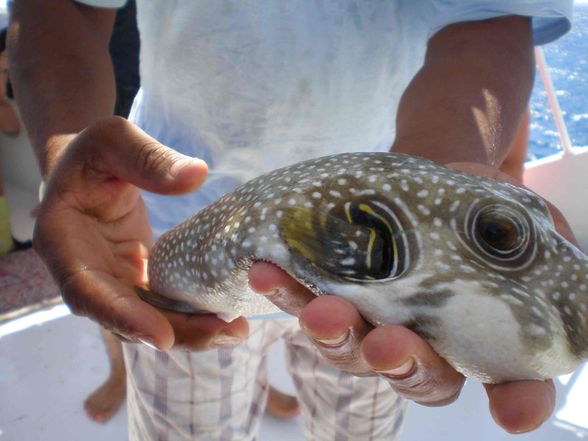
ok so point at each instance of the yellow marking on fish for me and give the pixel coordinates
(370, 248)
(348, 212)
(301, 248)
(367, 209)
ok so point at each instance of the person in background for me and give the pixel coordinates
(6, 241)
(9, 122)
(9, 125)
(247, 87)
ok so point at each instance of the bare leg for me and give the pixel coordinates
(105, 401)
(514, 163)
(281, 405)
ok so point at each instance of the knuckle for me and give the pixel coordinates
(291, 301)
(122, 330)
(427, 389)
(107, 125)
(345, 356)
(151, 157)
(101, 132)
(417, 383)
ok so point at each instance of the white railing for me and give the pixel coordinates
(560, 124)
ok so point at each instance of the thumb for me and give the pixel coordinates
(115, 147)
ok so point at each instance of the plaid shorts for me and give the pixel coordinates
(220, 395)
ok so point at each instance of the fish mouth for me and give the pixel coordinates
(301, 279)
(166, 303)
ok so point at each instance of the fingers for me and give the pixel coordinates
(116, 307)
(200, 332)
(337, 329)
(279, 288)
(115, 148)
(345, 339)
(521, 406)
(135, 157)
(411, 366)
(333, 324)
(93, 233)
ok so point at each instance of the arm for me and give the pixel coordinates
(61, 71)
(463, 106)
(92, 230)
(466, 102)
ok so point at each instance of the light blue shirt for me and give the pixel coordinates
(251, 85)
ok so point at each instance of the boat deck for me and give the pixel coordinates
(49, 368)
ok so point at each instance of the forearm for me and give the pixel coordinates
(61, 71)
(466, 102)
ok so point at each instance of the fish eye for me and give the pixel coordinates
(498, 233)
(502, 235)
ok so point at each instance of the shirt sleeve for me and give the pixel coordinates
(551, 18)
(103, 3)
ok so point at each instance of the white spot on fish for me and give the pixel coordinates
(454, 206)
(424, 210)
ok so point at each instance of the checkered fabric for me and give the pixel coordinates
(221, 395)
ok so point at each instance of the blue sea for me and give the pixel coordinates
(568, 62)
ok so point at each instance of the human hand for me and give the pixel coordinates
(410, 365)
(94, 236)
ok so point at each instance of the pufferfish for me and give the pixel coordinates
(475, 267)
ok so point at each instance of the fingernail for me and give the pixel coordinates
(223, 340)
(404, 370)
(147, 341)
(334, 342)
(181, 163)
